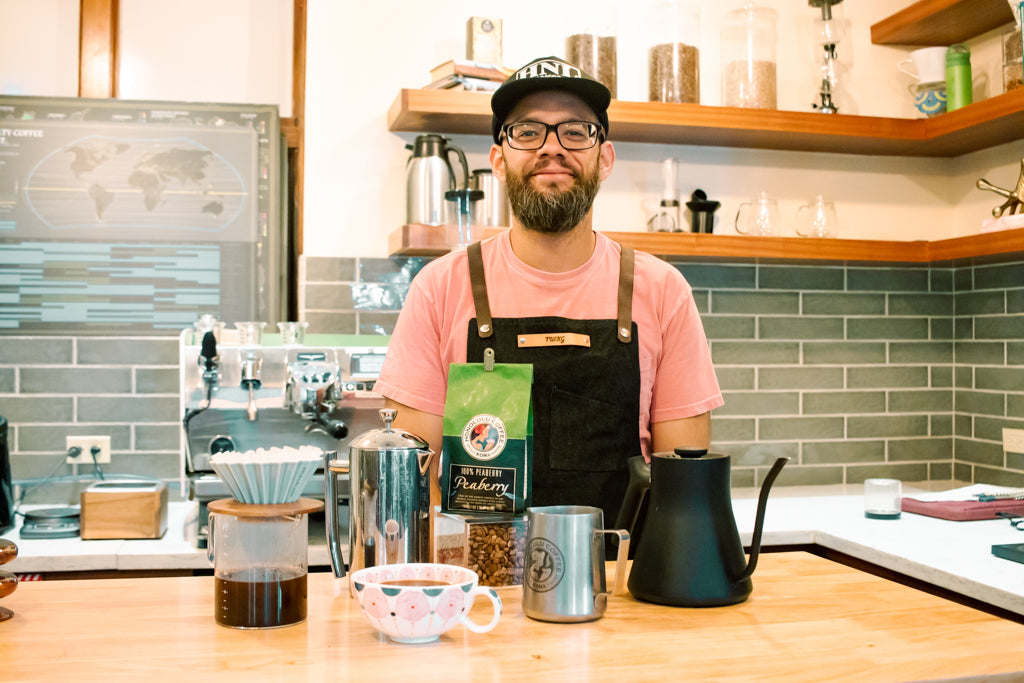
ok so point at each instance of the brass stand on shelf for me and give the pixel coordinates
(1014, 198)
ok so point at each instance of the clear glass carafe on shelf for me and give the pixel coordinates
(749, 40)
(673, 61)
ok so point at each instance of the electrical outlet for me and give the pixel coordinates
(86, 443)
(1013, 440)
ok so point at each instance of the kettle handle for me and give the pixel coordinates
(762, 504)
(636, 491)
(462, 162)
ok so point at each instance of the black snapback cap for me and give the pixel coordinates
(549, 73)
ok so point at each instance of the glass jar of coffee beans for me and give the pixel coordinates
(491, 544)
(749, 57)
(1013, 73)
(593, 45)
(673, 66)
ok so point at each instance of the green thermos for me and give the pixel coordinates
(958, 77)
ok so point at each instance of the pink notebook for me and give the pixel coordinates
(963, 510)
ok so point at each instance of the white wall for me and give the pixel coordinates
(39, 47)
(361, 54)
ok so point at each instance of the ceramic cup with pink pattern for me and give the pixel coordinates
(416, 603)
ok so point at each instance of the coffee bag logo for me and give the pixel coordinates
(545, 565)
(484, 437)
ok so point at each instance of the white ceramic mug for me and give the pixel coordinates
(929, 65)
(817, 219)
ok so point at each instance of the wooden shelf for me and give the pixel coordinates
(1005, 245)
(991, 122)
(941, 22)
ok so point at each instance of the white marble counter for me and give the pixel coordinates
(176, 549)
(953, 555)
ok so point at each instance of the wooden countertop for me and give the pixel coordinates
(808, 619)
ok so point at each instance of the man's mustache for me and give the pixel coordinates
(544, 168)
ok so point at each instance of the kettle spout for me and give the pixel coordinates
(762, 504)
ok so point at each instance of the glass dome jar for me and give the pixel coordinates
(748, 58)
(593, 45)
(674, 56)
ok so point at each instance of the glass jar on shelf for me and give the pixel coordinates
(749, 57)
(674, 55)
(592, 44)
(1013, 67)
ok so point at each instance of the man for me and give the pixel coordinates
(625, 369)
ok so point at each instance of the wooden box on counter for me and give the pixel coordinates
(124, 509)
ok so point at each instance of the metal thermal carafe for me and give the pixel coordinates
(241, 395)
(428, 175)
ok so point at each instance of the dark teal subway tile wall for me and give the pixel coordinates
(886, 363)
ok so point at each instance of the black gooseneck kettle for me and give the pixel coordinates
(689, 552)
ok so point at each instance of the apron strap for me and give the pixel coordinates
(479, 284)
(625, 316)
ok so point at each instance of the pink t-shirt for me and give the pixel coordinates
(677, 376)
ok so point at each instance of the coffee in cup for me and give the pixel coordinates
(417, 602)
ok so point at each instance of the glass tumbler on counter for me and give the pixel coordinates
(748, 58)
(883, 498)
(593, 45)
(674, 57)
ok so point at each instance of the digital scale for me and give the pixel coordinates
(55, 522)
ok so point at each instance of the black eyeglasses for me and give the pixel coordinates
(1015, 520)
(573, 135)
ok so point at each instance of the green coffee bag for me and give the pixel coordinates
(488, 438)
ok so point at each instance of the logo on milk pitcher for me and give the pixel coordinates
(545, 565)
(484, 437)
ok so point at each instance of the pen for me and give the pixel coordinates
(1008, 495)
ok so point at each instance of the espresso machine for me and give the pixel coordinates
(242, 390)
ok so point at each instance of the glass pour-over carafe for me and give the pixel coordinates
(259, 556)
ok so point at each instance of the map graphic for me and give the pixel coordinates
(104, 181)
(137, 216)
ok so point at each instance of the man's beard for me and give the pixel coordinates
(552, 211)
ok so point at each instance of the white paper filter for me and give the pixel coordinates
(267, 475)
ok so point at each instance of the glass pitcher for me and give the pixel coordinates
(817, 219)
(759, 217)
(259, 556)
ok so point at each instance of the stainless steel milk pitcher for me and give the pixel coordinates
(564, 573)
(429, 174)
(389, 499)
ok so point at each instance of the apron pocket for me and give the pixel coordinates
(585, 436)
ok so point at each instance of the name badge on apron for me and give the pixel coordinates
(553, 339)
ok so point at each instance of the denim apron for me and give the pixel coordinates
(586, 392)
